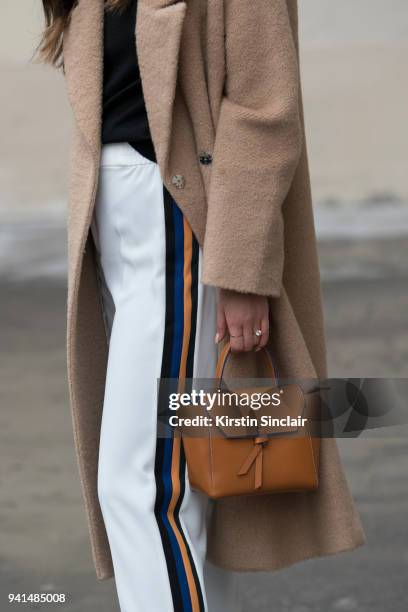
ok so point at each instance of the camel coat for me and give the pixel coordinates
(221, 77)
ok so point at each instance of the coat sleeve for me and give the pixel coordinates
(257, 148)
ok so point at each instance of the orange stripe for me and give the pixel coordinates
(175, 478)
(188, 255)
(175, 466)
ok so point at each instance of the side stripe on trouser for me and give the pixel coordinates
(160, 321)
(178, 360)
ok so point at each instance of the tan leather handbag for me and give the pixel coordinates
(246, 460)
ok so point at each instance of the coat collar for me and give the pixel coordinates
(158, 34)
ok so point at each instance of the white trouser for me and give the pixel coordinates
(160, 321)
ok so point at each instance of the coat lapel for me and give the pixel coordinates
(158, 34)
(159, 27)
(83, 65)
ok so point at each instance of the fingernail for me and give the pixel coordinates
(217, 338)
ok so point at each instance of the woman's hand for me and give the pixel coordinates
(240, 315)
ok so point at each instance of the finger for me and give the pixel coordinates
(264, 327)
(221, 324)
(249, 339)
(236, 335)
(257, 337)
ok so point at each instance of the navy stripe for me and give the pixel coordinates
(178, 292)
(181, 570)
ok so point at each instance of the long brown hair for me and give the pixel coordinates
(57, 14)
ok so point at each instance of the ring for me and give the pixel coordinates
(231, 336)
(258, 333)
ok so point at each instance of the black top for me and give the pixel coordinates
(124, 112)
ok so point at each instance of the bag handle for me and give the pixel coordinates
(226, 353)
(255, 457)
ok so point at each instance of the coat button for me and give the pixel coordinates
(205, 158)
(178, 181)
